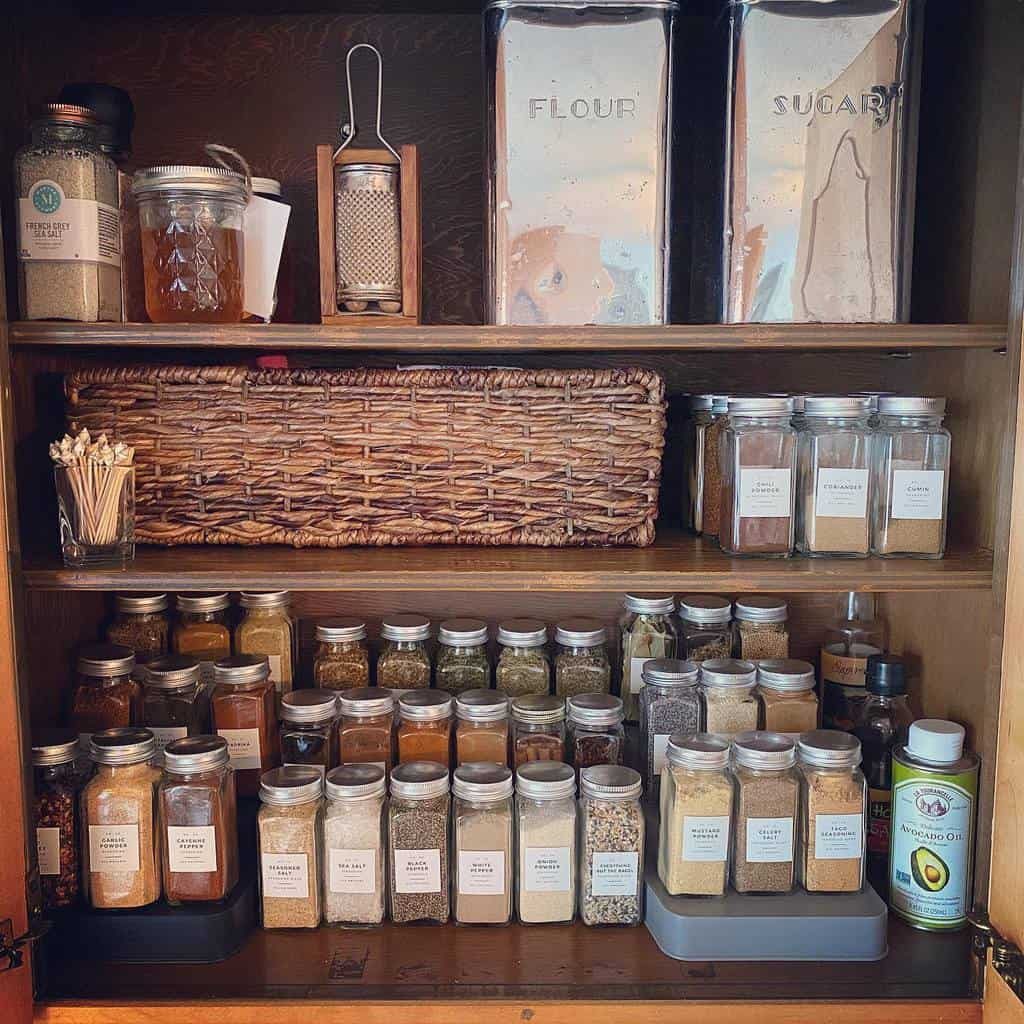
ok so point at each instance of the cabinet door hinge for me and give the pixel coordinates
(11, 955)
(1006, 958)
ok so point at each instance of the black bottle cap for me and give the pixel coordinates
(886, 675)
(114, 110)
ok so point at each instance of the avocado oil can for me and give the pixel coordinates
(934, 808)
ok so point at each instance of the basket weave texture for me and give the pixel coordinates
(229, 455)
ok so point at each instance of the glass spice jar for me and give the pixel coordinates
(243, 709)
(758, 451)
(646, 631)
(730, 703)
(141, 622)
(105, 696)
(174, 703)
(425, 727)
(482, 727)
(761, 628)
(55, 786)
(712, 486)
(834, 462)
(404, 663)
(462, 662)
(267, 628)
(366, 727)
(669, 703)
(581, 662)
(693, 459)
(342, 658)
(523, 662)
(789, 704)
(706, 627)
(596, 734)
(198, 821)
(201, 630)
(910, 478)
(307, 734)
(538, 729)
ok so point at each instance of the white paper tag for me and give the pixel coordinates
(765, 493)
(842, 493)
(481, 872)
(417, 871)
(838, 836)
(192, 848)
(266, 222)
(705, 838)
(243, 747)
(113, 847)
(660, 752)
(165, 734)
(917, 493)
(352, 871)
(53, 227)
(769, 840)
(48, 850)
(285, 875)
(614, 874)
(275, 672)
(636, 673)
(546, 869)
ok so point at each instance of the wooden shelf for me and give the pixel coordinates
(427, 338)
(675, 562)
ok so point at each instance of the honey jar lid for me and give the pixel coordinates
(218, 181)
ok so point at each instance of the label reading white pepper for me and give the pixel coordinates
(417, 871)
(352, 871)
(192, 848)
(546, 869)
(615, 874)
(705, 838)
(48, 850)
(285, 875)
(114, 847)
(481, 872)
(769, 840)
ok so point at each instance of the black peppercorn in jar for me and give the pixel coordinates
(55, 785)
(308, 733)
(142, 623)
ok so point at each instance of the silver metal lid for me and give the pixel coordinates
(852, 406)
(770, 751)
(700, 751)
(104, 660)
(641, 5)
(873, 397)
(462, 633)
(799, 404)
(405, 627)
(202, 602)
(546, 780)
(425, 705)
(309, 706)
(829, 748)
(190, 178)
(286, 787)
(594, 709)
(522, 633)
(242, 668)
(650, 604)
(910, 405)
(755, 608)
(272, 599)
(54, 746)
(344, 629)
(356, 782)
(171, 672)
(719, 404)
(366, 702)
(728, 672)
(789, 675)
(580, 632)
(266, 186)
(193, 754)
(611, 781)
(481, 706)
(122, 746)
(699, 403)
(419, 780)
(71, 114)
(478, 780)
(141, 604)
(670, 672)
(538, 709)
(705, 609)
(761, 405)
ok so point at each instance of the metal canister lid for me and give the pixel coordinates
(193, 754)
(481, 706)
(122, 746)
(829, 748)
(728, 672)
(105, 660)
(241, 669)
(356, 782)
(760, 608)
(538, 709)
(670, 672)
(546, 780)
(202, 602)
(270, 599)
(190, 178)
(343, 629)
(366, 702)
(71, 114)
(770, 751)
(910, 405)
(760, 405)
(700, 751)
(478, 780)
(650, 604)
(595, 709)
(286, 787)
(419, 780)
(425, 705)
(705, 609)
(405, 627)
(788, 675)
(266, 187)
(701, 403)
(54, 746)
(141, 604)
(837, 405)
(462, 633)
(719, 405)
(309, 706)
(610, 781)
(522, 633)
(171, 672)
(580, 632)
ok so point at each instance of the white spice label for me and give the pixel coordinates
(165, 734)
(243, 747)
(765, 493)
(48, 850)
(481, 872)
(769, 840)
(352, 871)
(660, 752)
(705, 838)
(838, 836)
(614, 874)
(417, 871)
(113, 847)
(285, 875)
(917, 493)
(53, 227)
(842, 493)
(546, 869)
(636, 673)
(192, 848)
(275, 671)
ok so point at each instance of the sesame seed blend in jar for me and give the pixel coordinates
(646, 630)
(404, 663)
(56, 790)
(462, 661)
(730, 703)
(669, 703)
(342, 659)
(762, 629)
(523, 662)
(538, 729)
(581, 664)
(788, 702)
(706, 627)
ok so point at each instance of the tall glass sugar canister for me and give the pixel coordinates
(646, 630)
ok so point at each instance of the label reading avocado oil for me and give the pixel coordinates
(932, 837)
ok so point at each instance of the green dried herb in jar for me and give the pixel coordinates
(342, 659)
(523, 665)
(581, 664)
(462, 662)
(404, 663)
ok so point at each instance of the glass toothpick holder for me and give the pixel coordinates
(96, 515)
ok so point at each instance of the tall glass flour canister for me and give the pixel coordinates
(462, 661)
(192, 221)
(268, 628)
(523, 662)
(579, 121)
(820, 191)
(55, 785)
(646, 631)
(404, 663)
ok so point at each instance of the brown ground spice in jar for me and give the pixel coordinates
(712, 475)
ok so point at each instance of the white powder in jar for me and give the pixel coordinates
(354, 861)
(547, 860)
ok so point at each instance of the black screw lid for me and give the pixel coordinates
(886, 675)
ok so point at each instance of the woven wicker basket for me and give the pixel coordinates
(228, 455)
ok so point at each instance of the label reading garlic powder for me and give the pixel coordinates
(113, 847)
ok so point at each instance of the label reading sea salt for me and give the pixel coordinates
(285, 875)
(192, 848)
(614, 874)
(353, 871)
(481, 872)
(417, 871)
(546, 869)
(769, 840)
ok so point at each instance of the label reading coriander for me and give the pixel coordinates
(765, 493)
(113, 847)
(192, 848)
(243, 747)
(917, 493)
(352, 871)
(285, 875)
(614, 874)
(481, 872)
(838, 836)
(705, 838)
(546, 869)
(48, 850)
(769, 840)
(417, 871)
(842, 493)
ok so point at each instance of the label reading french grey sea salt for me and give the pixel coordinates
(842, 493)
(546, 869)
(48, 850)
(352, 871)
(764, 493)
(53, 227)
(614, 874)
(417, 871)
(917, 493)
(705, 838)
(769, 840)
(481, 872)
(285, 875)
(192, 848)
(113, 847)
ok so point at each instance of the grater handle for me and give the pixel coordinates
(351, 107)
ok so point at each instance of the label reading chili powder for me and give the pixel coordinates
(113, 847)
(48, 850)
(614, 874)
(764, 493)
(192, 848)
(285, 875)
(417, 871)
